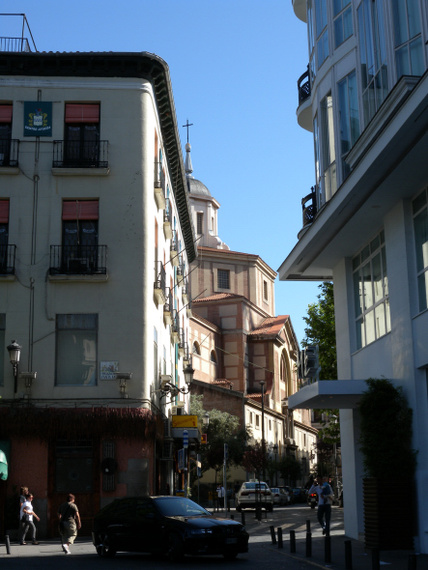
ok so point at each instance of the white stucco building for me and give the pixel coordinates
(95, 244)
(365, 222)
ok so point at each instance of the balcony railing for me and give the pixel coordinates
(14, 44)
(159, 176)
(7, 259)
(76, 154)
(304, 86)
(309, 207)
(9, 152)
(78, 260)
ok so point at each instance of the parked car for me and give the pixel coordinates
(253, 494)
(299, 494)
(280, 496)
(174, 526)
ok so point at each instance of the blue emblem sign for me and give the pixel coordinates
(37, 119)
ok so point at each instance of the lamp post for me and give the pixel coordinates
(188, 374)
(262, 384)
(14, 350)
(275, 452)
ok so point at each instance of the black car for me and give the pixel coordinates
(169, 525)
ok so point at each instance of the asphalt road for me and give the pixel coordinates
(261, 555)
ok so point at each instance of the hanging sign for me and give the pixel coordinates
(37, 119)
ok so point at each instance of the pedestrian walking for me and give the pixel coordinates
(27, 515)
(69, 522)
(325, 500)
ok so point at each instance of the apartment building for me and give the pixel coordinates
(365, 221)
(95, 243)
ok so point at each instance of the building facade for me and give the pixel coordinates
(365, 221)
(95, 242)
(241, 351)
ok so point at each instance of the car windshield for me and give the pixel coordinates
(179, 507)
(255, 485)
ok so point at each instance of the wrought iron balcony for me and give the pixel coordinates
(76, 154)
(78, 260)
(7, 259)
(9, 152)
(304, 86)
(168, 308)
(159, 185)
(160, 283)
(309, 207)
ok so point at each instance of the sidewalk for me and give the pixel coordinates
(338, 551)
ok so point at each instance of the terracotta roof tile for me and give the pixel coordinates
(270, 326)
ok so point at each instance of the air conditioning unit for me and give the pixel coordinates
(165, 379)
(178, 409)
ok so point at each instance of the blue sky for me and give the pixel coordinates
(234, 66)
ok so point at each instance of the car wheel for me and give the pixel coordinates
(105, 549)
(175, 552)
(230, 555)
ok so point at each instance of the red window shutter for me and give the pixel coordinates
(4, 211)
(5, 113)
(80, 210)
(82, 113)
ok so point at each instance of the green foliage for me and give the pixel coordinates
(223, 428)
(321, 330)
(386, 431)
(253, 459)
(290, 469)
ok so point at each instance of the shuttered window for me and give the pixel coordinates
(82, 113)
(80, 210)
(5, 113)
(4, 211)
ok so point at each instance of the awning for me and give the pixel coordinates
(329, 395)
(3, 466)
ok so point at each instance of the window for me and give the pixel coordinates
(374, 74)
(74, 465)
(420, 226)
(213, 357)
(5, 134)
(328, 156)
(4, 235)
(80, 235)
(199, 223)
(265, 291)
(409, 58)
(348, 117)
(82, 134)
(223, 279)
(371, 295)
(257, 421)
(76, 350)
(342, 21)
(321, 31)
(3, 343)
(196, 348)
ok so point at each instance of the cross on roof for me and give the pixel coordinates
(188, 125)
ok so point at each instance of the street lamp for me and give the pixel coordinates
(188, 375)
(275, 452)
(262, 384)
(206, 419)
(14, 356)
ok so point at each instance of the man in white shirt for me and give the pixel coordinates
(26, 518)
(325, 500)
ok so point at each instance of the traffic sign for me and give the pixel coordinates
(185, 439)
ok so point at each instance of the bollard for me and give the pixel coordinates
(375, 559)
(272, 535)
(308, 544)
(292, 541)
(232, 516)
(327, 549)
(280, 545)
(7, 542)
(348, 555)
(412, 562)
(308, 525)
(243, 518)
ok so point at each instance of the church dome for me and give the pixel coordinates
(197, 188)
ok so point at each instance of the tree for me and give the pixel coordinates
(290, 469)
(321, 330)
(223, 428)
